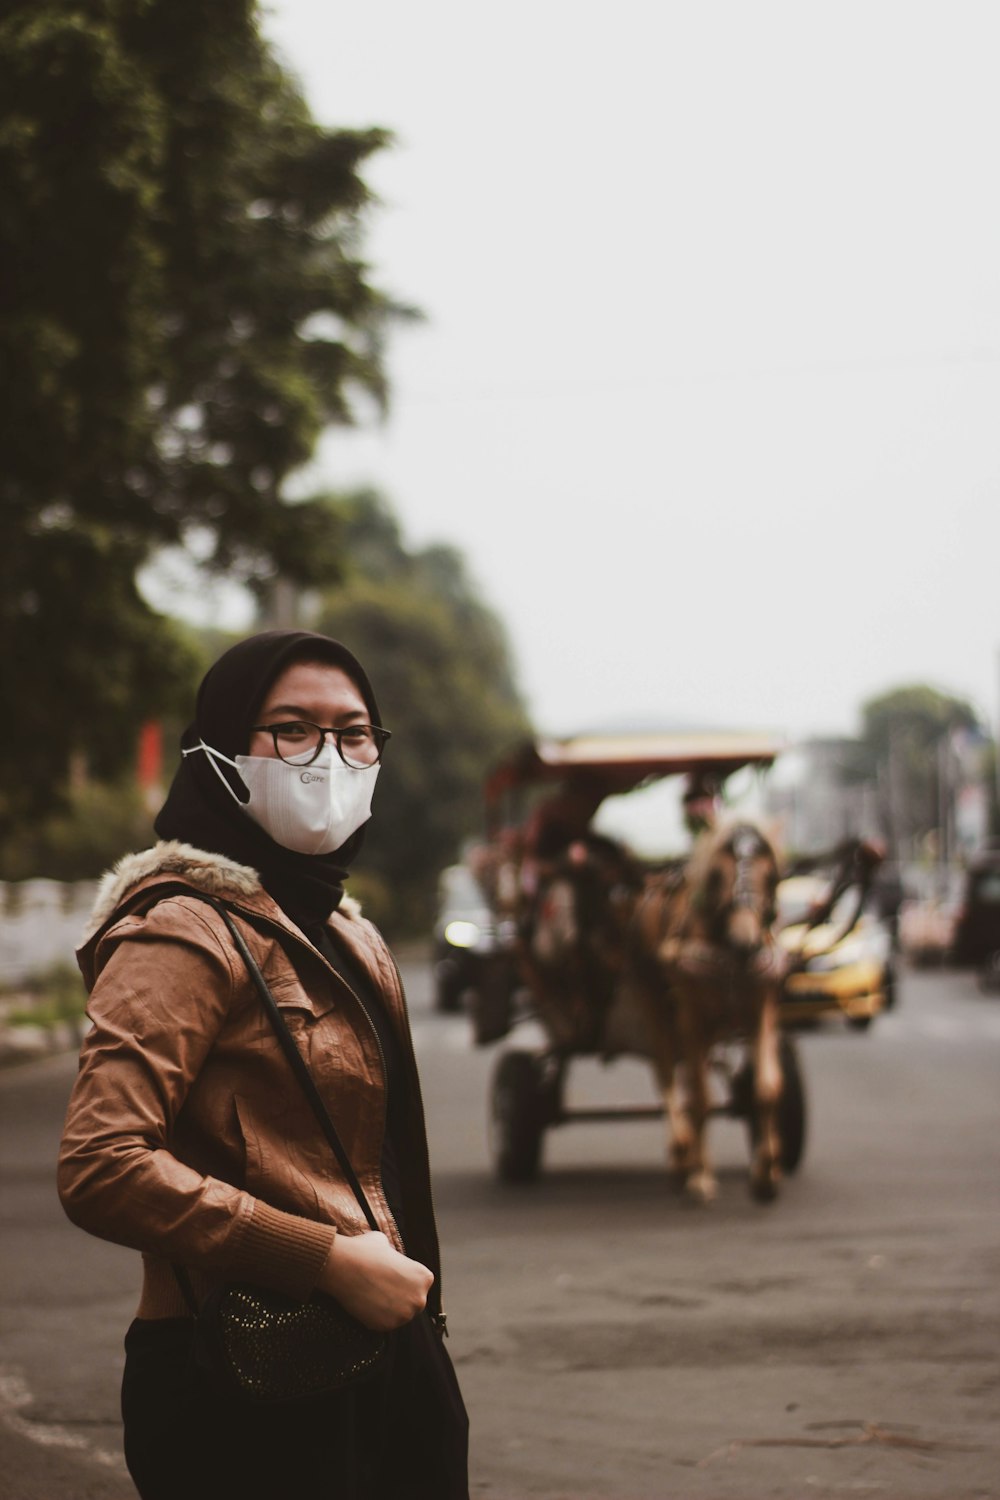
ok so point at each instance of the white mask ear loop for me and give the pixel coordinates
(193, 749)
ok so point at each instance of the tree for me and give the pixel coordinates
(440, 665)
(182, 311)
(903, 732)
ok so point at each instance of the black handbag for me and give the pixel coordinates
(261, 1345)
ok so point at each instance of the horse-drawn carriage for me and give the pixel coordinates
(674, 961)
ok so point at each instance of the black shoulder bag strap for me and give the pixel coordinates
(296, 1062)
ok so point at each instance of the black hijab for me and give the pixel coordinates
(200, 811)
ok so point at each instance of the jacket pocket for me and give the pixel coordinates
(274, 1168)
(302, 986)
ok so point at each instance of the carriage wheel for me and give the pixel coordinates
(524, 1102)
(491, 1002)
(791, 1108)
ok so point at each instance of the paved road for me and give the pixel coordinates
(611, 1341)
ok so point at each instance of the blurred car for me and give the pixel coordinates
(853, 977)
(927, 930)
(976, 938)
(472, 950)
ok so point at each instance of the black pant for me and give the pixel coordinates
(401, 1436)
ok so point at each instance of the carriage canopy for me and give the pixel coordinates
(621, 762)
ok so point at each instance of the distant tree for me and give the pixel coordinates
(902, 732)
(440, 664)
(97, 823)
(182, 311)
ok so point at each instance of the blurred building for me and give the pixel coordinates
(819, 795)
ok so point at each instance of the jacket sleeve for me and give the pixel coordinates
(164, 992)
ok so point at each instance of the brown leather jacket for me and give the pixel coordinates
(187, 1136)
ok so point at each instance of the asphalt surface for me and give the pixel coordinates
(611, 1340)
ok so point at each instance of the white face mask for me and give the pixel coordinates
(313, 808)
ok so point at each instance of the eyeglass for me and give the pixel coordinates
(298, 741)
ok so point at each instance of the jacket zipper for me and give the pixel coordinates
(440, 1318)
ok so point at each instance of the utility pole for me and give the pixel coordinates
(945, 795)
(894, 795)
(996, 751)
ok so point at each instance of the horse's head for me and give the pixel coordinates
(735, 879)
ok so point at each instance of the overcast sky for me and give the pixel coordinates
(708, 386)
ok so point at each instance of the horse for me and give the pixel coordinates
(572, 939)
(704, 961)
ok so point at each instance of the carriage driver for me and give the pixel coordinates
(702, 803)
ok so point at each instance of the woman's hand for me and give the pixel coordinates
(368, 1277)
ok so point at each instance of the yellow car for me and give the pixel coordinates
(853, 977)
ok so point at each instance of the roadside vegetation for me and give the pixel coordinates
(46, 997)
(186, 307)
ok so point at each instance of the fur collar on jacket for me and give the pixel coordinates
(215, 874)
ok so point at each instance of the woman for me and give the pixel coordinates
(187, 1136)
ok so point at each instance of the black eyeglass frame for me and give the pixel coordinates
(379, 736)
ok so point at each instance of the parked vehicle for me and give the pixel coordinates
(927, 930)
(851, 976)
(976, 939)
(472, 949)
(962, 928)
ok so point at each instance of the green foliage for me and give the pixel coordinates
(902, 732)
(98, 824)
(58, 995)
(439, 664)
(918, 714)
(182, 311)
(90, 662)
